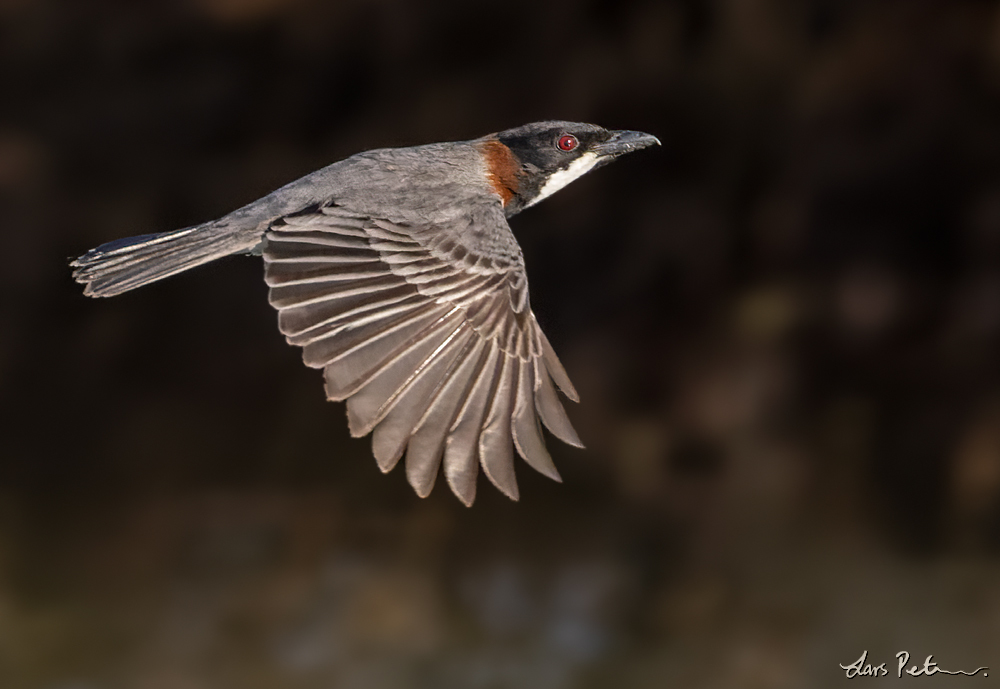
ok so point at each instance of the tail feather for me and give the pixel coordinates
(125, 264)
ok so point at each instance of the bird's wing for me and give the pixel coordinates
(428, 335)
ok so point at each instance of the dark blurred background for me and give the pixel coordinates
(784, 325)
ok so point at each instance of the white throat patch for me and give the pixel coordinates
(560, 179)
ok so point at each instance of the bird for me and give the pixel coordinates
(396, 272)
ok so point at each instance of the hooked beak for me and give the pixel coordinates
(625, 141)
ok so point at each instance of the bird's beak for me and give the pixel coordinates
(625, 141)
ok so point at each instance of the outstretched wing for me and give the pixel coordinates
(428, 335)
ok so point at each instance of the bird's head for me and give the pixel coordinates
(529, 163)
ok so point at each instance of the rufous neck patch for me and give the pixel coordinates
(502, 169)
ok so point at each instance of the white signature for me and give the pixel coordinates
(862, 668)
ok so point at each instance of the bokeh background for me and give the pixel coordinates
(784, 325)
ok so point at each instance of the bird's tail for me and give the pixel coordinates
(125, 264)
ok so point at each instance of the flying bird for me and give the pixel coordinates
(397, 274)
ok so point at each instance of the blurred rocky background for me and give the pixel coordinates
(784, 326)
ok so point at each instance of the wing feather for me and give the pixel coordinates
(554, 366)
(410, 401)
(299, 319)
(317, 291)
(424, 452)
(330, 346)
(347, 374)
(551, 411)
(317, 240)
(461, 448)
(526, 433)
(496, 451)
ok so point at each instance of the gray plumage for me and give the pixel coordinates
(397, 274)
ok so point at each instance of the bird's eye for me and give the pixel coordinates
(567, 142)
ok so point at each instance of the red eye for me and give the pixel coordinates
(567, 142)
